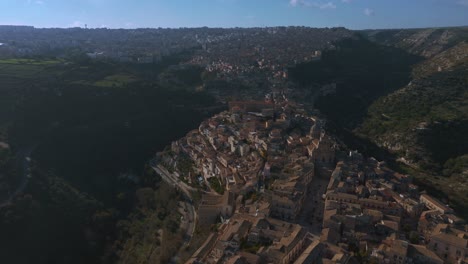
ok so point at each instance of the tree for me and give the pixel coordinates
(145, 197)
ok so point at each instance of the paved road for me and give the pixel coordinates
(173, 180)
(312, 212)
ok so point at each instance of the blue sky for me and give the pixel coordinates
(353, 14)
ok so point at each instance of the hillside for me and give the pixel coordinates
(444, 61)
(361, 70)
(93, 126)
(434, 100)
(412, 114)
(427, 42)
(393, 94)
(425, 123)
(400, 94)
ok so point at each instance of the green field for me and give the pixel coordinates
(30, 61)
(115, 80)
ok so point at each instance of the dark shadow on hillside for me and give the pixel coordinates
(91, 134)
(89, 137)
(370, 149)
(362, 70)
(445, 140)
(98, 138)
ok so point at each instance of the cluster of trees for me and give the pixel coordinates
(216, 185)
(92, 144)
(427, 117)
(8, 173)
(151, 233)
(458, 165)
(51, 223)
(363, 71)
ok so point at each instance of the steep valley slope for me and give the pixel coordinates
(425, 123)
(399, 95)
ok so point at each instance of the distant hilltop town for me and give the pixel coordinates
(250, 55)
(282, 190)
(267, 179)
(131, 45)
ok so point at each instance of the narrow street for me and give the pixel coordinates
(311, 216)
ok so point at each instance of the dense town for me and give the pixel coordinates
(285, 44)
(274, 186)
(282, 190)
(248, 55)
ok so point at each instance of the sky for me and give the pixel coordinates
(352, 14)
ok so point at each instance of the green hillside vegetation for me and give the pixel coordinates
(52, 217)
(151, 234)
(426, 122)
(115, 80)
(74, 120)
(450, 58)
(30, 61)
(8, 173)
(400, 94)
(456, 166)
(362, 70)
(426, 42)
(95, 125)
(440, 97)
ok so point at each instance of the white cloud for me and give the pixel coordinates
(77, 24)
(346, 1)
(327, 5)
(369, 12)
(129, 25)
(463, 2)
(294, 2)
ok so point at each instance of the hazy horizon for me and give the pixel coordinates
(234, 27)
(352, 14)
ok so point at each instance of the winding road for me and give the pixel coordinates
(173, 180)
